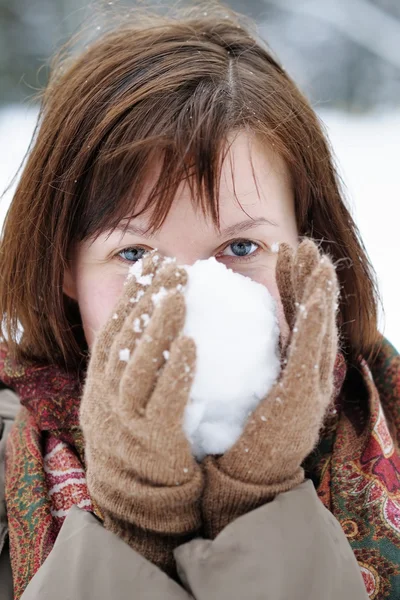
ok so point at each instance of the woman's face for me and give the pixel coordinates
(256, 211)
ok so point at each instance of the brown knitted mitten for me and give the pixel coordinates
(284, 428)
(140, 470)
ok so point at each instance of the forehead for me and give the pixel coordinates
(252, 170)
(253, 179)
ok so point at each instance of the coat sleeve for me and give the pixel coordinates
(88, 562)
(292, 547)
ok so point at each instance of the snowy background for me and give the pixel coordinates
(344, 54)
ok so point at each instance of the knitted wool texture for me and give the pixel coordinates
(140, 470)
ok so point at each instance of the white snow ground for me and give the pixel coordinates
(368, 151)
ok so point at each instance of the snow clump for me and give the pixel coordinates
(233, 321)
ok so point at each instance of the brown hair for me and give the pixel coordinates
(171, 87)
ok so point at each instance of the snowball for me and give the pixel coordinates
(233, 322)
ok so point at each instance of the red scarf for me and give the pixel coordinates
(45, 471)
(355, 468)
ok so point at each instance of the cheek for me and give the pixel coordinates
(97, 299)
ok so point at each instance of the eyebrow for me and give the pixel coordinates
(134, 229)
(246, 225)
(228, 231)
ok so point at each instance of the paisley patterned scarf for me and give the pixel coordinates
(355, 468)
(45, 472)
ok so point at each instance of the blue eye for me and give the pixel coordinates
(240, 248)
(132, 254)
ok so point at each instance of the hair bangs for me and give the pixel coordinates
(136, 173)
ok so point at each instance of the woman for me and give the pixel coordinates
(184, 134)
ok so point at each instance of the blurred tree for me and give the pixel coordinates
(343, 53)
(30, 31)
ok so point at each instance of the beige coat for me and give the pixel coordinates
(290, 548)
